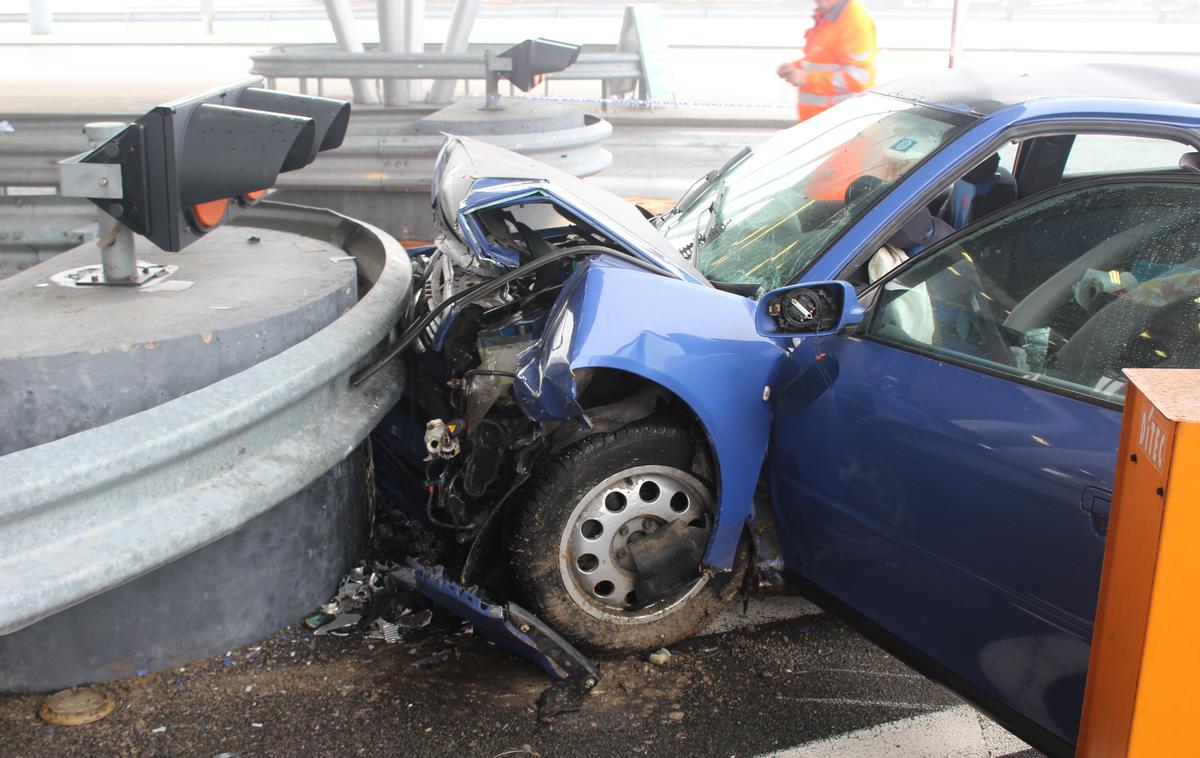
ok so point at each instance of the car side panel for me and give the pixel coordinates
(697, 342)
(945, 505)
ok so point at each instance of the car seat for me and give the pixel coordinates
(983, 189)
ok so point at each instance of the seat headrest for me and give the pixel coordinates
(861, 187)
(920, 231)
(914, 231)
(984, 171)
(1190, 162)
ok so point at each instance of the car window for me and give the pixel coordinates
(780, 208)
(1065, 292)
(1115, 153)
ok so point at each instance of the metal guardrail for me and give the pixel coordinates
(320, 62)
(369, 158)
(405, 163)
(83, 514)
(1156, 10)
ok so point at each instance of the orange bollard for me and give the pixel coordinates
(1145, 661)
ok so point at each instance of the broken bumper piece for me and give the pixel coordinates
(508, 625)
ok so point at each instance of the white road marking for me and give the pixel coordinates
(856, 701)
(959, 732)
(893, 674)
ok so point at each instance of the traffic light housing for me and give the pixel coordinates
(188, 166)
(535, 57)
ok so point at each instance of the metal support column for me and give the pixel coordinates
(41, 21)
(392, 40)
(958, 20)
(342, 20)
(401, 30)
(457, 38)
(117, 258)
(208, 10)
(414, 40)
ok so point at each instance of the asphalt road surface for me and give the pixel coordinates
(785, 680)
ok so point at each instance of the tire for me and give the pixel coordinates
(561, 554)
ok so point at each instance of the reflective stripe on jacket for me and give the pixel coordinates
(839, 57)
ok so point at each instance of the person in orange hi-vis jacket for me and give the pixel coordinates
(839, 57)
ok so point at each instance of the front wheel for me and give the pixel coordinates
(575, 533)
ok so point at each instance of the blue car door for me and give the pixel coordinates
(945, 470)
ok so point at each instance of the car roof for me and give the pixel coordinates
(985, 92)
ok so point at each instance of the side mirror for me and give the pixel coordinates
(808, 310)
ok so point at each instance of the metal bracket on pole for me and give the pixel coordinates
(96, 181)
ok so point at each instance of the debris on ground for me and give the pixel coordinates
(437, 657)
(76, 706)
(370, 599)
(564, 696)
(380, 599)
(660, 657)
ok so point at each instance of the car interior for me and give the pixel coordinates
(1069, 290)
(1039, 165)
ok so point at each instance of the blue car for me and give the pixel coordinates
(890, 341)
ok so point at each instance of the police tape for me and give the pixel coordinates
(652, 102)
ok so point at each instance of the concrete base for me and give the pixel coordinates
(259, 579)
(467, 118)
(73, 358)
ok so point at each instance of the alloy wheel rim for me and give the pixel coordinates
(595, 562)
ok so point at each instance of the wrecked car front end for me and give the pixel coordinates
(587, 417)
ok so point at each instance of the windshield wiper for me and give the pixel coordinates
(705, 182)
(712, 227)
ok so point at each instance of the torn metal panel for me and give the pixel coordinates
(508, 625)
(466, 181)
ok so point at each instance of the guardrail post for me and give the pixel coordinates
(117, 257)
(41, 21)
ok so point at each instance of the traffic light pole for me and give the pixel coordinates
(118, 262)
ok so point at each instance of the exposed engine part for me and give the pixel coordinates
(486, 456)
(458, 352)
(497, 366)
(442, 438)
(492, 287)
(458, 253)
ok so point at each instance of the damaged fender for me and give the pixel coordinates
(698, 342)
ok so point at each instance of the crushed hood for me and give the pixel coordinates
(471, 174)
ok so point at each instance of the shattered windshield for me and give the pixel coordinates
(778, 209)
